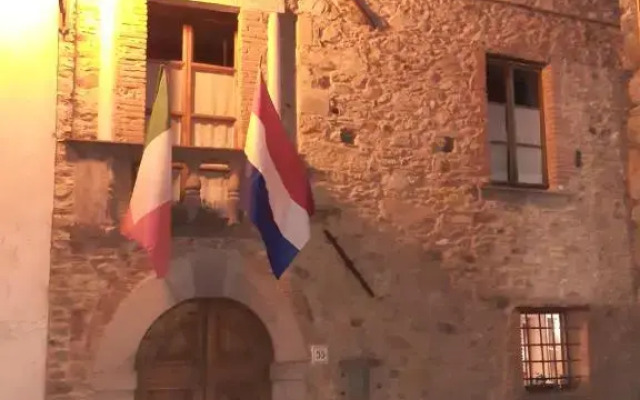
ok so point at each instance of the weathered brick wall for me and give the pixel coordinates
(78, 71)
(66, 77)
(252, 38)
(93, 268)
(87, 70)
(448, 259)
(131, 72)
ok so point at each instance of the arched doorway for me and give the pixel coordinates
(205, 349)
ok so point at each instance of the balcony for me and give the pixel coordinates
(206, 186)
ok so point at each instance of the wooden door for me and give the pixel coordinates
(205, 349)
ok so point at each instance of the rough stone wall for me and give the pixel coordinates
(448, 258)
(400, 90)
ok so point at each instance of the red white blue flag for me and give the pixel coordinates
(277, 193)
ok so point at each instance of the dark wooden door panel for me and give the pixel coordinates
(207, 349)
(174, 337)
(170, 375)
(239, 354)
(238, 371)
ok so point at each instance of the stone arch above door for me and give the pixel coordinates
(205, 273)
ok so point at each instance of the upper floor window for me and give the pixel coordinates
(515, 123)
(552, 348)
(197, 47)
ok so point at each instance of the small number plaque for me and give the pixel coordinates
(319, 354)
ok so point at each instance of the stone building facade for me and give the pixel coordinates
(494, 277)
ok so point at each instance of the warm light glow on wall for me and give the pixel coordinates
(19, 22)
(107, 26)
(26, 38)
(28, 92)
(108, 31)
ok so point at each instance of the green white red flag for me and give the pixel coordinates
(148, 221)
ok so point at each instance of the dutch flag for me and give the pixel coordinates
(277, 193)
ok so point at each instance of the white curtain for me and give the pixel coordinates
(214, 95)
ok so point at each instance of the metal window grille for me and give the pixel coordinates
(547, 361)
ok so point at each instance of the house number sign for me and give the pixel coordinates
(319, 354)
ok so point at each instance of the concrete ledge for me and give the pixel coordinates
(521, 196)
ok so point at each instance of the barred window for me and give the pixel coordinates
(550, 347)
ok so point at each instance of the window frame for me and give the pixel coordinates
(567, 347)
(509, 65)
(188, 67)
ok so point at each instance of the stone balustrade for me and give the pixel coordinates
(114, 163)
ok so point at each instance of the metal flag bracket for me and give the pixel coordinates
(348, 263)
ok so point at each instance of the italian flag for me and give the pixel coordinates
(148, 220)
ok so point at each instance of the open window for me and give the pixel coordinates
(197, 46)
